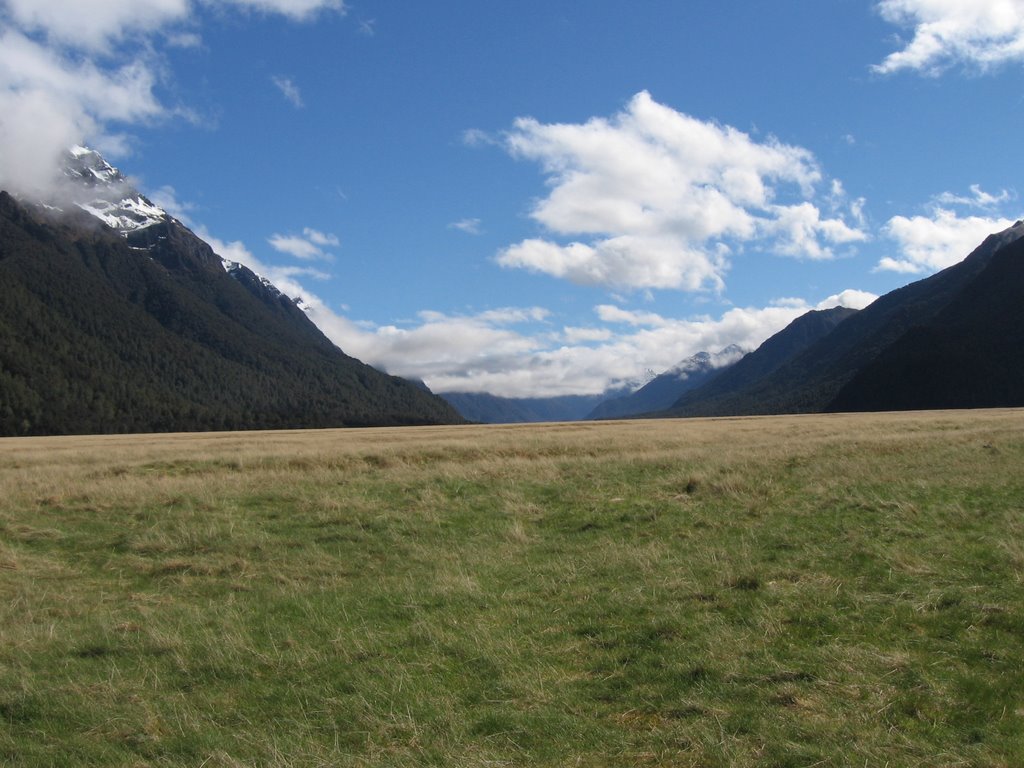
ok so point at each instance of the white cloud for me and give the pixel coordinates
(469, 226)
(609, 313)
(979, 198)
(166, 197)
(658, 199)
(851, 297)
(625, 261)
(574, 335)
(299, 10)
(50, 102)
(474, 137)
(309, 245)
(321, 238)
(979, 33)
(801, 230)
(95, 24)
(86, 71)
(515, 352)
(492, 352)
(930, 243)
(289, 90)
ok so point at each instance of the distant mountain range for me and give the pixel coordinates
(952, 340)
(114, 317)
(485, 408)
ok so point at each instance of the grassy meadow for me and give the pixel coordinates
(841, 590)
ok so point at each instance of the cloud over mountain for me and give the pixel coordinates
(939, 239)
(89, 70)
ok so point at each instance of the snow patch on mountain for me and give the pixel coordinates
(102, 190)
(126, 215)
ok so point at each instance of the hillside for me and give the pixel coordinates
(718, 394)
(893, 330)
(970, 355)
(144, 328)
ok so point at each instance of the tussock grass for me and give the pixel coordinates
(816, 590)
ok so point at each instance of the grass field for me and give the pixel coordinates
(793, 591)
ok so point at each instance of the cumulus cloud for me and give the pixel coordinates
(309, 245)
(95, 24)
(654, 198)
(851, 297)
(936, 241)
(977, 33)
(88, 70)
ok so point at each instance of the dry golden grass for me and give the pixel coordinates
(833, 590)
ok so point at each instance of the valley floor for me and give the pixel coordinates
(812, 590)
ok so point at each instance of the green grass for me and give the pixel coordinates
(781, 592)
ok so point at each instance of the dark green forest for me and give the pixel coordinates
(952, 340)
(99, 334)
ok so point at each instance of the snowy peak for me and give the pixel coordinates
(102, 190)
(705, 361)
(89, 168)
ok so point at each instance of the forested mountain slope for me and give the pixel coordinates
(105, 330)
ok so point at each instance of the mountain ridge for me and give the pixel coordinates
(812, 380)
(144, 328)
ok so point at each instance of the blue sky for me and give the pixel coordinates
(540, 198)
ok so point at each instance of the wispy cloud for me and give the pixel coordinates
(469, 226)
(978, 198)
(475, 137)
(977, 33)
(290, 90)
(654, 198)
(299, 10)
(309, 245)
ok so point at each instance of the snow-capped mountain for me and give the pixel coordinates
(101, 190)
(663, 390)
(118, 318)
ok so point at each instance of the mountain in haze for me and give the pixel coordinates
(114, 317)
(949, 340)
(664, 390)
(485, 408)
(777, 350)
